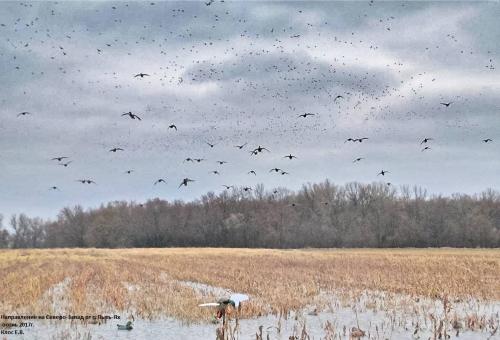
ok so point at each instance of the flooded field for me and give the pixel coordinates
(307, 294)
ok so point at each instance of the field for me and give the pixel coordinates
(435, 292)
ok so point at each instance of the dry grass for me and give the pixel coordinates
(151, 282)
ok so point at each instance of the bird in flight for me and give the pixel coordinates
(284, 172)
(66, 164)
(304, 115)
(172, 126)
(275, 170)
(59, 158)
(116, 149)
(240, 146)
(25, 113)
(215, 172)
(487, 140)
(383, 172)
(252, 172)
(290, 156)
(86, 181)
(189, 159)
(160, 180)
(53, 188)
(338, 97)
(185, 182)
(425, 140)
(128, 172)
(142, 75)
(426, 148)
(247, 189)
(199, 159)
(258, 149)
(446, 104)
(209, 2)
(131, 115)
(357, 159)
(210, 144)
(221, 162)
(355, 139)
(227, 186)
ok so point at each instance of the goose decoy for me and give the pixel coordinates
(126, 327)
(259, 149)
(185, 182)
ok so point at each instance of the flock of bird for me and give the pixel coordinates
(334, 86)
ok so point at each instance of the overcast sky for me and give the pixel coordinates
(231, 73)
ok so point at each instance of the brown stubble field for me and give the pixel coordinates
(150, 283)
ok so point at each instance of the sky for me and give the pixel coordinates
(233, 73)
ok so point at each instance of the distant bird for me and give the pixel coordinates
(361, 139)
(66, 164)
(172, 126)
(240, 146)
(284, 172)
(25, 113)
(290, 156)
(275, 170)
(252, 172)
(487, 140)
(446, 104)
(59, 158)
(116, 149)
(210, 144)
(209, 2)
(338, 97)
(221, 162)
(305, 115)
(355, 139)
(131, 115)
(161, 180)
(54, 188)
(188, 160)
(185, 182)
(259, 149)
(426, 148)
(425, 140)
(199, 160)
(357, 159)
(227, 186)
(383, 172)
(86, 181)
(247, 189)
(129, 172)
(142, 75)
(215, 172)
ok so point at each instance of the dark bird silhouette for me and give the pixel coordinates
(115, 149)
(25, 113)
(290, 156)
(284, 172)
(160, 180)
(66, 164)
(338, 97)
(252, 172)
(188, 160)
(142, 75)
(53, 188)
(361, 139)
(383, 172)
(487, 140)
(215, 172)
(185, 182)
(172, 126)
(426, 148)
(129, 172)
(240, 146)
(131, 115)
(227, 186)
(247, 189)
(209, 2)
(199, 160)
(221, 162)
(275, 170)
(425, 140)
(59, 158)
(357, 159)
(259, 149)
(304, 115)
(86, 181)
(210, 144)
(446, 104)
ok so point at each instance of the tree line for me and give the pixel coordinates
(317, 215)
